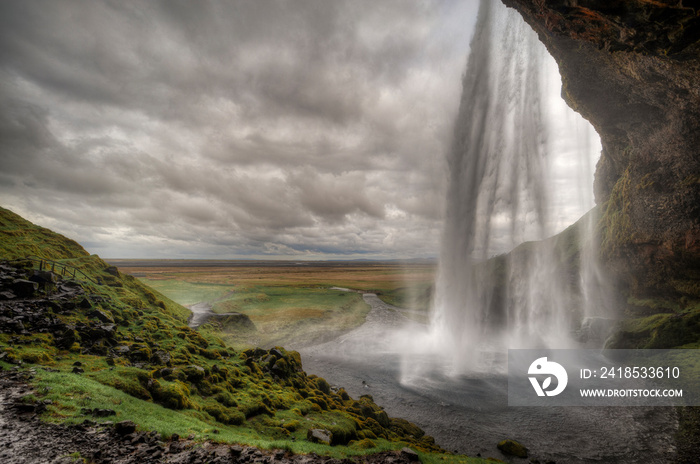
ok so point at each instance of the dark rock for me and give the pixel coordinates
(160, 357)
(409, 454)
(7, 295)
(43, 277)
(101, 315)
(24, 288)
(121, 350)
(277, 353)
(139, 353)
(512, 448)
(112, 270)
(125, 427)
(98, 412)
(194, 373)
(85, 304)
(319, 436)
(78, 370)
(106, 331)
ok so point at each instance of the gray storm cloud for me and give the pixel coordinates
(223, 129)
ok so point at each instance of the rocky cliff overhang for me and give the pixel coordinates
(632, 68)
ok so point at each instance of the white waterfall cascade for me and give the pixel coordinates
(520, 163)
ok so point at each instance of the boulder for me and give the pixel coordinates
(409, 454)
(24, 288)
(121, 350)
(101, 315)
(125, 427)
(512, 448)
(321, 436)
(160, 358)
(112, 270)
(43, 277)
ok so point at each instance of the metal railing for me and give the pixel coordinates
(62, 269)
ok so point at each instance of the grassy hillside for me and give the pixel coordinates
(20, 238)
(108, 342)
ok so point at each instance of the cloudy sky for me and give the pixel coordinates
(303, 129)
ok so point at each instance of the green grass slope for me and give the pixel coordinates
(20, 238)
(116, 344)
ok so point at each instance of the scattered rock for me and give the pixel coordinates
(96, 412)
(411, 455)
(24, 288)
(125, 427)
(112, 270)
(319, 436)
(160, 358)
(101, 315)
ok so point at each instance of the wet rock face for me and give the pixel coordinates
(632, 69)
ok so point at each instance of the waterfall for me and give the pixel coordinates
(512, 137)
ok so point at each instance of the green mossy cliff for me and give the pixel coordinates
(632, 68)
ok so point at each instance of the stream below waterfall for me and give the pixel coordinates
(470, 414)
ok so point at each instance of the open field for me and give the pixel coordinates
(290, 304)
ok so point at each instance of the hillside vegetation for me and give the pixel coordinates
(106, 347)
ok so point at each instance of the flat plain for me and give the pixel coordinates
(293, 304)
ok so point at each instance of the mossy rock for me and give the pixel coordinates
(512, 448)
(343, 433)
(223, 414)
(319, 401)
(226, 399)
(173, 395)
(364, 444)
(292, 425)
(344, 394)
(372, 426)
(323, 386)
(321, 436)
(255, 408)
(36, 357)
(402, 427)
(194, 374)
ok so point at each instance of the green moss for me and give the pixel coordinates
(615, 224)
(173, 395)
(223, 414)
(671, 329)
(322, 385)
(292, 425)
(512, 448)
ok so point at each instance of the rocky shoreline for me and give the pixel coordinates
(25, 439)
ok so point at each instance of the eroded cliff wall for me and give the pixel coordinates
(632, 68)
